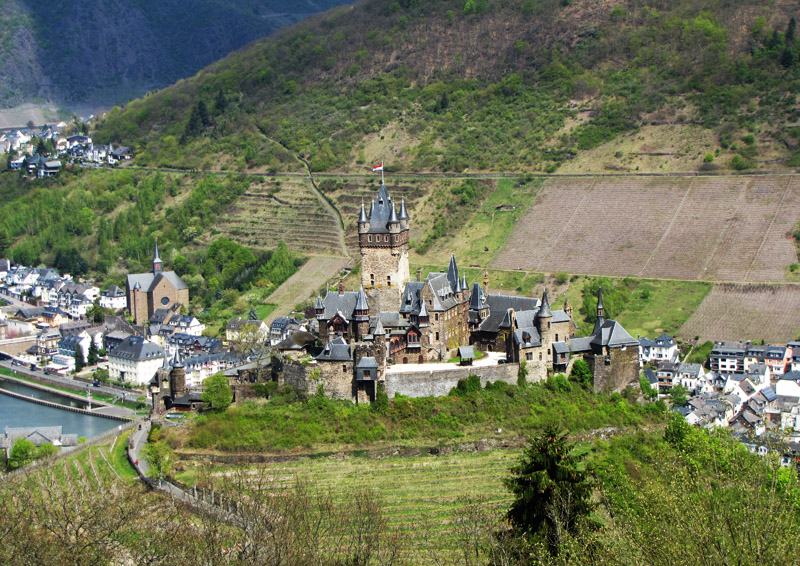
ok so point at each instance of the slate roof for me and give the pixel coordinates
(560, 316)
(137, 349)
(344, 303)
(239, 323)
(466, 353)
(651, 376)
(381, 212)
(663, 341)
(560, 348)
(581, 344)
(443, 292)
(790, 376)
(113, 291)
(337, 350)
(149, 280)
(769, 394)
(409, 300)
(498, 307)
(477, 300)
(367, 363)
(613, 335)
(38, 435)
(527, 337)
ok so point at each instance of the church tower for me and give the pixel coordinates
(383, 242)
(157, 263)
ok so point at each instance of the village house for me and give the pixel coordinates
(662, 349)
(113, 298)
(134, 360)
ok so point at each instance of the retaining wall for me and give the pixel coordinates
(435, 383)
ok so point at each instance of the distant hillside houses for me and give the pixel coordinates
(752, 388)
(24, 144)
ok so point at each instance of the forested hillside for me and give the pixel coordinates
(109, 51)
(479, 85)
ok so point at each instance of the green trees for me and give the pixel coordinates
(217, 392)
(80, 361)
(160, 458)
(92, 356)
(23, 452)
(678, 396)
(552, 489)
(582, 374)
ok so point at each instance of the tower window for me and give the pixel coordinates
(556, 337)
(437, 336)
(386, 238)
(540, 356)
(344, 368)
(388, 280)
(437, 316)
(369, 238)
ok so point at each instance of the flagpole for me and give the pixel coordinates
(382, 183)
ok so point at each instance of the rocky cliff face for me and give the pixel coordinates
(109, 51)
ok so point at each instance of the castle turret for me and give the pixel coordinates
(546, 330)
(361, 314)
(601, 311)
(177, 378)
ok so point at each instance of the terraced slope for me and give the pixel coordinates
(421, 495)
(315, 273)
(755, 312)
(705, 228)
(285, 209)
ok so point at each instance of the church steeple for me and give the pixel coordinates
(157, 265)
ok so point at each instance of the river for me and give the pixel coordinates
(19, 413)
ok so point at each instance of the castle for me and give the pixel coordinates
(394, 320)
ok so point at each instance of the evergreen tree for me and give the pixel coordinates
(790, 29)
(202, 111)
(92, 356)
(220, 103)
(552, 489)
(252, 315)
(79, 360)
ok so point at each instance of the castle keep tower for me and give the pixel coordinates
(383, 242)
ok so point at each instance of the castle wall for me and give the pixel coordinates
(440, 382)
(623, 369)
(337, 378)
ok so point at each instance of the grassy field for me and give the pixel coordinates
(421, 495)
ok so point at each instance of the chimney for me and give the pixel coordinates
(341, 286)
(419, 275)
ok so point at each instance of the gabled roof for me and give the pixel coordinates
(613, 335)
(498, 307)
(137, 349)
(113, 291)
(409, 301)
(337, 350)
(149, 280)
(344, 303)
(527, 337)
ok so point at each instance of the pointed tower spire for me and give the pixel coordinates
(379, 331)
(601, 318)
(544, 310)
(452, 272)
(362, 218)
(403, 213)
(157, 264)
(601, 312)
(393, 219)
(361, 301)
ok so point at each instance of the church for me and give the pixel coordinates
(394, 320)
(159, 289)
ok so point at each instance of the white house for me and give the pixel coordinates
(113, 298)
(134, 360)
(788, 384)
(186, 324)
(662, 349)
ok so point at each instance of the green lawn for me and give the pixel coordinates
(118, 457)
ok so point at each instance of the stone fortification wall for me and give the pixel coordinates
(434, 383)
(623, 370)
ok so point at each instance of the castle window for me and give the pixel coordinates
(369, 238)
(556, 337)
(437, 316)
(540, 356)
(386, 238)
(529, 356)
(437, 336)
(389, 280)
(372, 279)
(548, 326)
(344, 368)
